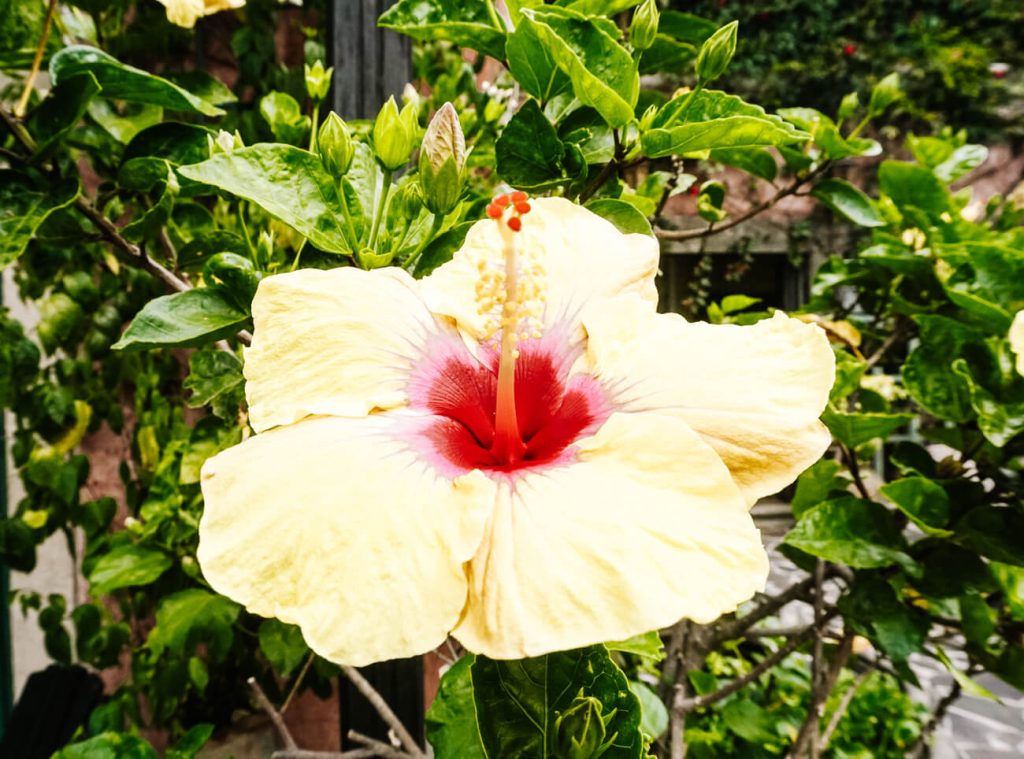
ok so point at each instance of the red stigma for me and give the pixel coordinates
(515, 223)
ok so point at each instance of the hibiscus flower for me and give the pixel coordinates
(186, 12)
(516, 450)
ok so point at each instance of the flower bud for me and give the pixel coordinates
(335, 146)
(224, 142)
(442, 161)
(716, 53)
(406, 203)
(644, 26)
(394, 134)
(580, 730)
(265, 248)
(318, 81)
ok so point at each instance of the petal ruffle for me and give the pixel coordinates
(645, 528)
(583, 257)
(339, 342)
(754, 393)
(334, 525)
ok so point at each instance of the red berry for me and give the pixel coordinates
(695, 191)
(849, 50)
(518, 196)
(502, 200)
(522, 207)
(998, 74)
(494, 211)
(515, 223)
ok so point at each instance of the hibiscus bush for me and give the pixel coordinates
(383, 381)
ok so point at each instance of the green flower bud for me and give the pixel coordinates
(224, 142)
(716, 53)
(318, 81)
(265, 249)
(394, 134)
(405, 204)
(644, 26)
(442, 161)
(580, 730)
(335, 146)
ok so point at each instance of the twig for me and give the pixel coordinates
(382, 708)
(380, 748)
(692, 234)
(606, 171)
(854, 466)
(37, 60)
(274, 714)
(736, 628)
(841, 707)
(298, 682)
(699, 702)
(890, 341)
(917, 750)
(677, 721)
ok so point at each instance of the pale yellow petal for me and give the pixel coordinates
(1016, 338)
(332, 524)
(583, 258)
(646, 528)
(215, 6)
(754, 393)
(183, 13)
(337, 342)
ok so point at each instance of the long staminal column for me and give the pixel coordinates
(508, 444)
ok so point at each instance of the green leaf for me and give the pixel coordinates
(215, 377)
(686, 27)
(126, 566)
(750, 721)
(999, 420)
(24, 205)
(969, 686)
(451, 720)
(466, 24)
(286, 182)
(175, 142)
(927, 373)
(964, 159)
(284, 116)
(603, 74)
(996, 532)
(667, 54)
(533, 65)
(187, 318)
(647, 645)
(988, 281)
(188, 745)
(188, 617)
(854, 429)
(108, 746)
(518, 702)
(283, 645)
(726, 132)
(441, 249)
(851, 531)
(815, 485)
(848, 201)
(623, 215)
(826, 134)
(924, 501)
(123, 82)
(61, 111)
(529, 154)
(756, 161)
(155, 217)
(716, 53)
(654, 715)
(884, 94)
(875, 610)
(911, 186)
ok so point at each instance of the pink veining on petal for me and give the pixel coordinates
(459, 391)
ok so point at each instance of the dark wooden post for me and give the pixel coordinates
(371, 64)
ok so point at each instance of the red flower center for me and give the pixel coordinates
(553, 410)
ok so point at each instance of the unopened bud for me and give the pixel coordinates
(394, 134)
(335, 146)
(644, 26)
(442, 161)
(225, 142)
(318, 81)
(716, 53)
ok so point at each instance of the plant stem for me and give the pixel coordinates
(382, 708)
(347, 213)
(37, 60)
(435, 227)
(382, 202)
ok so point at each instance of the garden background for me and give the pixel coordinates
(868, 179)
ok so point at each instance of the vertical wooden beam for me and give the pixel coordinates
(370, 63)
